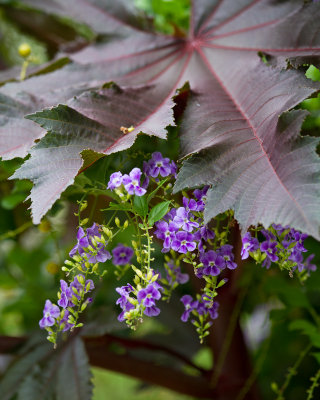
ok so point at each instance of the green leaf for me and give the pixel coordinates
(12, 200)
(158, 212)
(308, 329)
(317, 357)
(140, 205)
(300, 324)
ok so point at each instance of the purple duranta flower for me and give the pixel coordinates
(307, 263)
(182, 220)
(270, 248)
(132, 182)
(66, 295)
(115, 180)
(158, 165)
(50, 313)
(249, 244)
(165, 231)
(183, 242)
(123, 300)
(226, 252)
(213, 263)
(122, 254)
(178, 275)
(189, 305)
(201, 196)
(147, 297)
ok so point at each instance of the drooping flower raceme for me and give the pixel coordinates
(99, 253)
(282, 245)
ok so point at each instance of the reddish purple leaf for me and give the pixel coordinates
(232, 115)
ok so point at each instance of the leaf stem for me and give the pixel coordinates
(292, 371)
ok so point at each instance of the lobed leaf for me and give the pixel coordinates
(256, 164)
(74, 376)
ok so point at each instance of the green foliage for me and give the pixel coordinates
(168, 15)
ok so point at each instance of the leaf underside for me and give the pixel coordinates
(42, 373)
(257, 164)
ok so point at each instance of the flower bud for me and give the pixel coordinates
(24, 50)
(83, 206)
(126, 224)
(84, 221)
(117, 222)
(52, 268)
(107, 231)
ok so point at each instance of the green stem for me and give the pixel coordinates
(148, 244)
(81, 299)
(12, 234)
(24, 68)
(293, 371)
(315, 384)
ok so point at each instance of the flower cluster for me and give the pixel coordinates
(156, 166)
(281, 245)
(203, 309)
(184, 237)
(131, 182)
(88, 249)
(182, 228)
(71, 300)
(86, 254)
(139, 300)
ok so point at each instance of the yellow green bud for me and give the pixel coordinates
(24, 50)
(154, 278)
(149, 275)
(136, 280)
(52, 268)
(83, 206)
(84, 221)
(117, 222)
(126, 224)
(44, 226)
